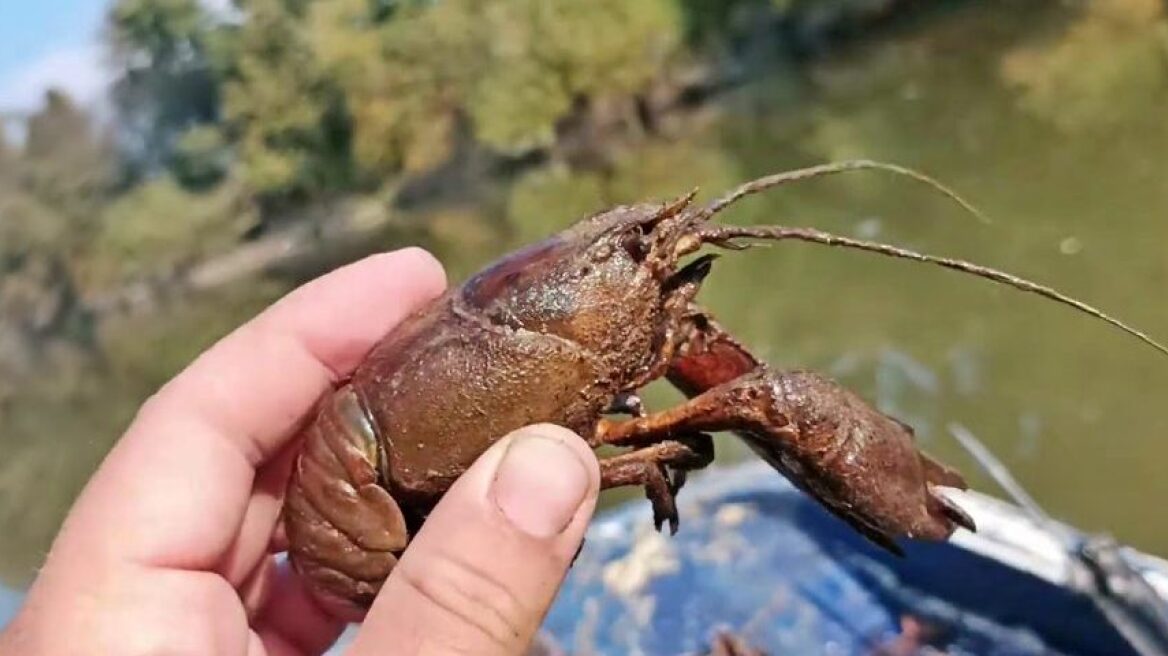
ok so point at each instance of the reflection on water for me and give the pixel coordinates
(1050, 119)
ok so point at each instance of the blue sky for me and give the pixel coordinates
(45, 42)
(54, 43)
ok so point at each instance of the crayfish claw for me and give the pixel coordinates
(874, 535)
(939, 474)
(953, 512)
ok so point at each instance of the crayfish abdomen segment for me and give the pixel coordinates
(345, 531)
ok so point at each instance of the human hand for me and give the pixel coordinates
(170, 547)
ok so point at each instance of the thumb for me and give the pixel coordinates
(480, 575)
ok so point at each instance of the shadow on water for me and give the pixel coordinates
(1048, 117)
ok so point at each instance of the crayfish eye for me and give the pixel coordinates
(634, 244)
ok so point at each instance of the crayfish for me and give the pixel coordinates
(567, 331)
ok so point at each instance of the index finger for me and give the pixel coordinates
(173, 491)
(255, 384)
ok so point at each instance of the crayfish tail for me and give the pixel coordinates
(345, 531)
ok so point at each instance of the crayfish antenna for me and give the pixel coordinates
(1000, 473)
(724, 236)
(798, 175)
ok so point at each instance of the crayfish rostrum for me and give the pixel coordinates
(566, 331)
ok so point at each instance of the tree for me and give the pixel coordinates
(512, 70)
(6, 151)
(201, 158)
(9, 162)
(167, 82)
(160, 226)
(27, 227)
(288, 118)
(401, 72)
(567, 50)
(68, 162)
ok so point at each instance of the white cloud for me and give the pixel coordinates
(78, 70)
(220, 7)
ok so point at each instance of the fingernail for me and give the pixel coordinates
(539, 485)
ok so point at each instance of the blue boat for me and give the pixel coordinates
(760, 560)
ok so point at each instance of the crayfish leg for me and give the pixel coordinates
(882, 467)
(660, 468)
(859, 463)
(726, 643)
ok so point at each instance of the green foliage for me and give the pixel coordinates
(651, 172)
(520, 107)
(547, 200)
(26, 226)
(604, 47)
(8, 154)
(545, 54)
(286, 115)
(307, 98)
(708, 21)
(160, 226)
(201, 158)
(48, 192)
(67, 164)
(162, 50)
(512, 69)
(165, 32)
(401, 78)
(301, 99)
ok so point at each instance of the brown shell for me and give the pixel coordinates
(344, 529)
(533, 338)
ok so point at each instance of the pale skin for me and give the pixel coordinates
(170, 547)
